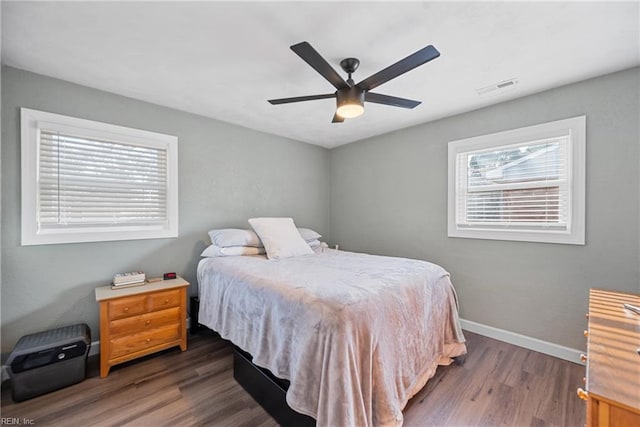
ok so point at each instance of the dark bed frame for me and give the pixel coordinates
(267, 389)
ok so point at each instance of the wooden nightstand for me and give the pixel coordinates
(141, 320)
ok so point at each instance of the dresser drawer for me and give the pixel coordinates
(162, 300)
(143, 340)
(144, 322)
(128, 306)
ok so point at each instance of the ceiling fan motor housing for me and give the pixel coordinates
(350, 102)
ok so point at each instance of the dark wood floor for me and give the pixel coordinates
(498, 384)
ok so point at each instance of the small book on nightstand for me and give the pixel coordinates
(128, 285)
(133, 278)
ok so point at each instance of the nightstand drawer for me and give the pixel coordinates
(125, 307)
(145, 322)
(144, 340)
(162, 300)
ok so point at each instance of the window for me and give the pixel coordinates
(85, 181)
(525, 184)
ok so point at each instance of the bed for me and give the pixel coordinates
(354, 335)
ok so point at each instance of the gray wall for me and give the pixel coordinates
(389, 196)
(386, 195)
(227, 174)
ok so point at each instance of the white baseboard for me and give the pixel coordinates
(95, 348)
(5, 373)
(555, 350)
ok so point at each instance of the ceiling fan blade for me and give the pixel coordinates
(337, 119)
(318, 63)
(301, 98)
(392, 71)
(390, 100)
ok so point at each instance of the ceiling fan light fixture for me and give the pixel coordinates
(350, 102)
(349, 111)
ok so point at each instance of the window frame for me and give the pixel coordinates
(575, 127)
(31, 122)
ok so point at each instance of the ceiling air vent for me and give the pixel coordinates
(497, 88)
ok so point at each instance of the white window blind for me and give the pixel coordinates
(89, 181)
(86, 181)
(525, 184)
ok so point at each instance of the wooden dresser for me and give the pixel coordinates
(613, 364)
(141, 320)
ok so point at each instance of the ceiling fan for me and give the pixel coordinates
(350, 96)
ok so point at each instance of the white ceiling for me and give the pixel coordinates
(224, 60)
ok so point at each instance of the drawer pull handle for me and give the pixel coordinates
(583, 358)
(586, 315)
(584, 380)
(582, 394)
(585, 333)
(126, 309)
(166, 301)
(148, 322)
(148, 339)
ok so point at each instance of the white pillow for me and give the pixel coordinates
(314, 243)
(280, 237)
(226, 237)
(214, 251)
(308, 234)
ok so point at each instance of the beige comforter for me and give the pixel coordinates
(356, 335)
